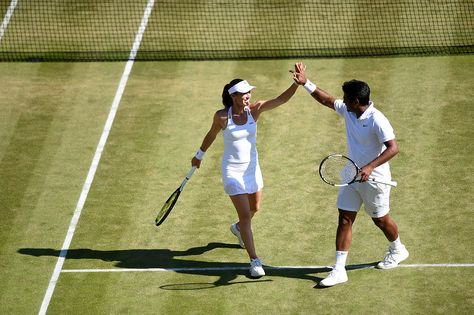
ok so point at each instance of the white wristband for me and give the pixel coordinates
(310, 86)
(200, 154)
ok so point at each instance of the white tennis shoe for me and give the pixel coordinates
(336, 276)
(256, 269)
(235, 230)
(393, 257)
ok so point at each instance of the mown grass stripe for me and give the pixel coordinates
(95, 161)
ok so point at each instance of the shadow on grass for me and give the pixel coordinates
(167, 259)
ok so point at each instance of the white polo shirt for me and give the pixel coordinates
(366, 136)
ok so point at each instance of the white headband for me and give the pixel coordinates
(241, 87)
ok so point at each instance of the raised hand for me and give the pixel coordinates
(299, 74)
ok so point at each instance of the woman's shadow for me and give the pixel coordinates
(167, 259)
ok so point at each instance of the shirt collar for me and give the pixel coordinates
(368, 111)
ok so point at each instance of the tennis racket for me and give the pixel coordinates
(169, 204)
(339, 170)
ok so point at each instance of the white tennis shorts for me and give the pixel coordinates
(241, 178)
(374, 196)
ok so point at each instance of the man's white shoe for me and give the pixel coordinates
(393, 258)
(235, 230)
(256, 269)
(336, 276)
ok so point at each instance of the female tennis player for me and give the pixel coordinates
(241, 172)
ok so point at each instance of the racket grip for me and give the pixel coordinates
(391, 182)
(191, 172)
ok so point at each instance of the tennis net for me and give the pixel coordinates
(76, 30)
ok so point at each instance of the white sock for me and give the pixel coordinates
(341, 257)
(396, 243)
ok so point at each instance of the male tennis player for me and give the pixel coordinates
(241, 174)
(371, 144)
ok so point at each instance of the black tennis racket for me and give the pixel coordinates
(169, 204)
(339, 170)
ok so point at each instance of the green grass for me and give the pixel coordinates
(177, 30)
(51, 120)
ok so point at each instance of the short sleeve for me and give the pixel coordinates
(383, 128)
(340, 107)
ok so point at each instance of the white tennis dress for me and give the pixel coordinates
(241, 172)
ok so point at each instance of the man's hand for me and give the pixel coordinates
(365, 172)
(299, 74)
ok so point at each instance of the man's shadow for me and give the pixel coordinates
(166, 259)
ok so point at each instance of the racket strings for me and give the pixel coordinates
(167, 207)
(338, 170)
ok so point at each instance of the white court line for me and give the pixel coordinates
(230, 268)
(6, 19)
(436, 265)
(95, 160)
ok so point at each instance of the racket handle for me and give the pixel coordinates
(191, 172)
(188, 176)
(390, 182)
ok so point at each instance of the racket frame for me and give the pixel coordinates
(174, 195)
(354, 180)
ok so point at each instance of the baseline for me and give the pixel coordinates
(231, 268)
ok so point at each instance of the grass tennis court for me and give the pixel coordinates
(52, 118)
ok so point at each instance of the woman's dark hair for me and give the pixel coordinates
(355, 89)
(226, 99)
